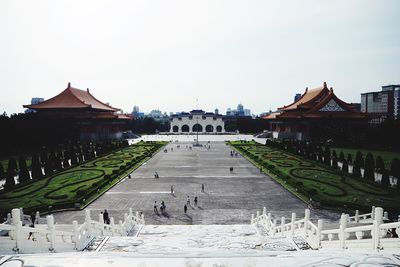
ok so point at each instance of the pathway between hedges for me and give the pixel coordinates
(229, 198)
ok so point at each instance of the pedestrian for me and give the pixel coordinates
(172, 189)
(129, 176)
(33, 218)
(202, 188)
(260, 169)
(156, 175)
(231, 169)
(195, 201)
(188, 201)
(155, 207)
(31, 233)
(163, 205)
(185, 208)
(106, 217)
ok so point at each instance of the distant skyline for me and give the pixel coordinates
(166, 54)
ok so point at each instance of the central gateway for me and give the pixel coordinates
(197, 121)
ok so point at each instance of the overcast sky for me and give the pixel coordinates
(165, 54)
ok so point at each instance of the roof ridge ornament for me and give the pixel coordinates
(69, 84)
(325, 86)
(331, 89)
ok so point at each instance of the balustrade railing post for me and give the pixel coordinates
(76, 233)
(264, 211)
(37, 218)
(9, 220)
(306, 220)
(252, 218)
(258, 214)
(357, 215)
(121, 227)
(88, 222)
(342, 234)
(101, 222)
(142, 217)
(50, 227)
(385, 216)
(319, 238)
(274, 227)
(292, 226)
(16, 221)
(378, 220)
(372, 212)
(282, 224)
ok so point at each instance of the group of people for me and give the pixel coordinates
(188, 201)
(162, 207)
(234, 153)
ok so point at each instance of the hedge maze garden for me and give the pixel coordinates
(313, 180)
(77, 186)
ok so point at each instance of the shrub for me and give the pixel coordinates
(312, 191)
(23, 170)
(81, 193)
(369, 167)
(379, 164)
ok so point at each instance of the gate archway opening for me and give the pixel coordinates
(185, 128)
(197, 128)
(175, 129)
(209, 128)
(219, 128)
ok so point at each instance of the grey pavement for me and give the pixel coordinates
(229, 198)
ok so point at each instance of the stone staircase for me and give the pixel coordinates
(199, 240)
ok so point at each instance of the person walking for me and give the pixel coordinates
(106, 218)
(155, 207)
(188, 201)
(185, 208)
(202, 188)
(172, 189)
(33, 217)
(195, 201)
(163, 205)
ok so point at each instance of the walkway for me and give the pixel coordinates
(229, 198)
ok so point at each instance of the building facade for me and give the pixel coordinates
(316, 109)
(197, 121)
(382, 104)
(93, 118)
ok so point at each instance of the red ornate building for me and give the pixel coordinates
(95, 119)
(317, 109)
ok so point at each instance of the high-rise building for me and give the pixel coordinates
(297, 97)
(382, 104)
(34, 101)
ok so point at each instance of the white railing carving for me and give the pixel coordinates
(61, 237)
(373, 233)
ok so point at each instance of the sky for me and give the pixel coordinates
(166, 54)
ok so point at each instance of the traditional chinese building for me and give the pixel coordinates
(318, 112)
(95, 119)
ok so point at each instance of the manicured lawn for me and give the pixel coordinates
(79, 184)
(386, 156)
(308, 179)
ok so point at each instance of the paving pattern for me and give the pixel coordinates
(229, 198)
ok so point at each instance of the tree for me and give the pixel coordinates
(349, 159)
(334, 160)
(1, 172)
(358, 164)
(23, 170)
(345, 167)
(395, 168)
(385, 179)
(43, 156)
(11, 172)
(327, 156)
(341, 156)
(379, 164)
(369, 167)
(36, 168)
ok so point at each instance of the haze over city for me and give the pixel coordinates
(165, 54)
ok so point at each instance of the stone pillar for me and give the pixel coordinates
(50, 227)
(282, 224)
(320, 224)
(306, 220)
(17, 223)
(293, 219)
(75, 228)
(37, 217)
(342, 234)
(378, 220)
(356, 216)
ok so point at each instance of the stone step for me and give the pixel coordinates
(198, 240)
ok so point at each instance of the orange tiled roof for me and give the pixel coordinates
(308, 98)
(72, 98)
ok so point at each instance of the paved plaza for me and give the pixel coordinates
(229, 198)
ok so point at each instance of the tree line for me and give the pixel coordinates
(47, 162)
(323, 154)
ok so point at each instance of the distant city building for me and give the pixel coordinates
(216, 111)
(136, 112)
(240, 111)
(382, 104)
(197, 121)
(34, 101)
